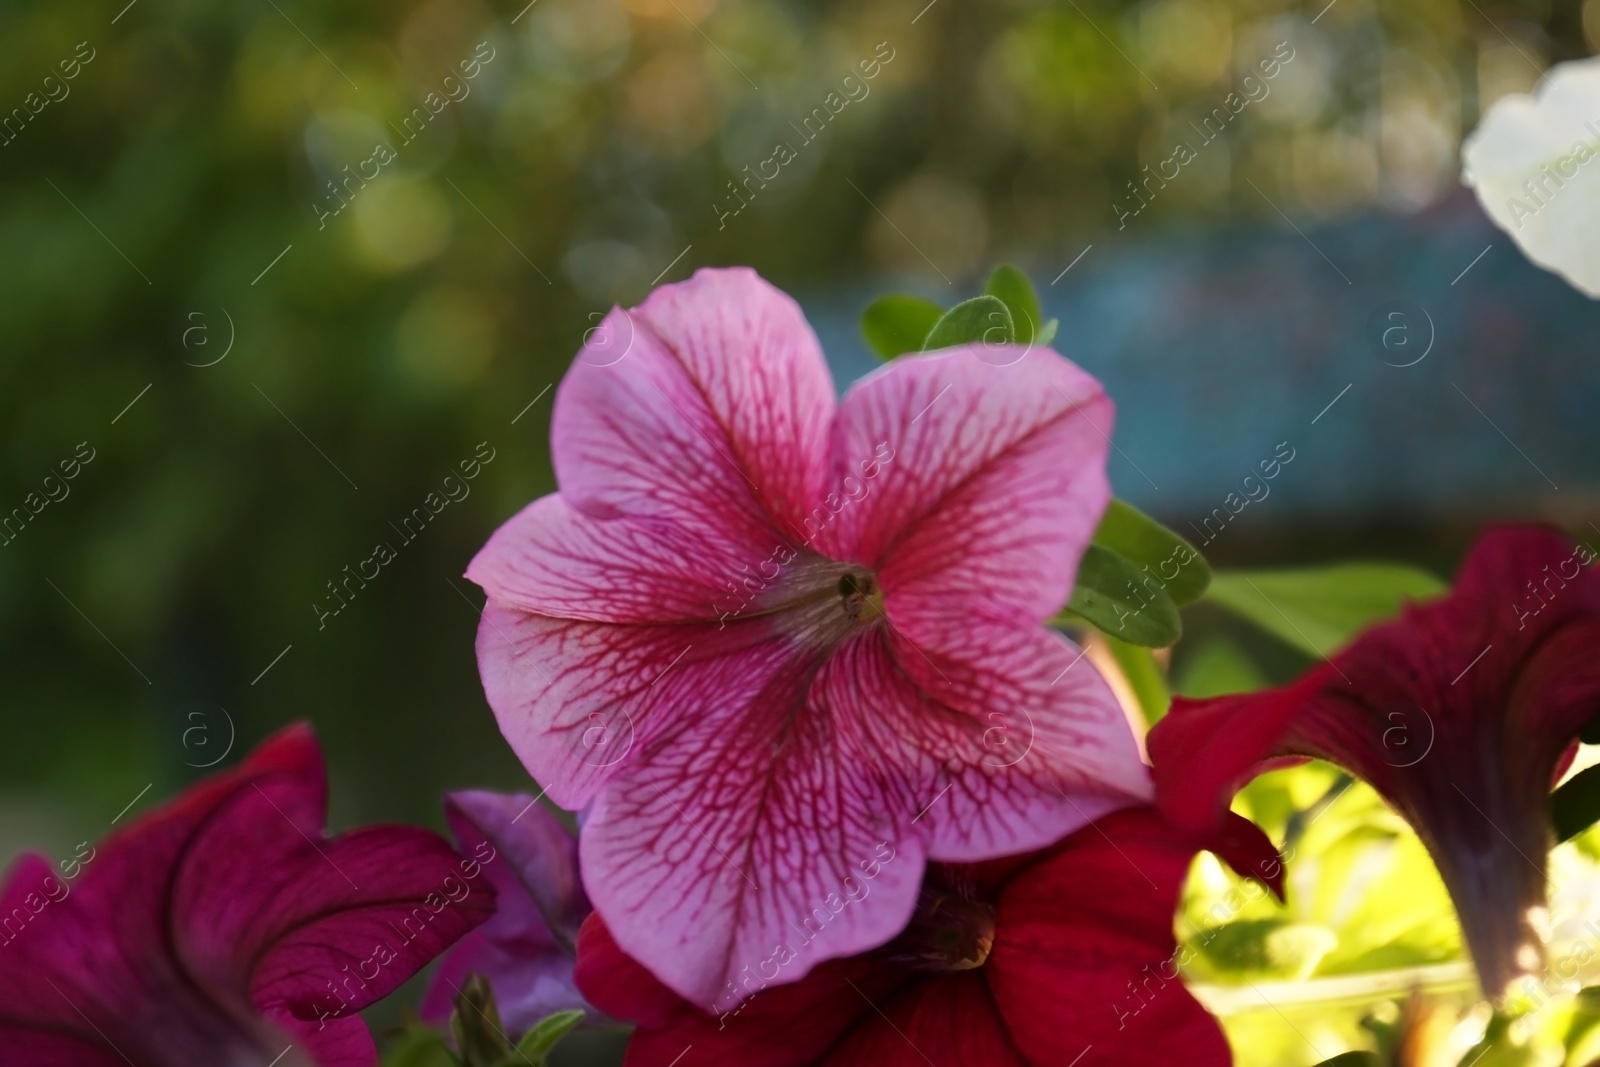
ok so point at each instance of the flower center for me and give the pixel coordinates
(951, 929)
(861, 597)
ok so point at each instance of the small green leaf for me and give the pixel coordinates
(1144, 676)
(475, 1025)
(896, 324)
(1013, 288)
(1353, 1059)
(1318, 610)
(1175, 564)
(981, 320)
(1576, 805)
(1111, 594)
(415, 1045)
(536, 1044)
(1047, 333)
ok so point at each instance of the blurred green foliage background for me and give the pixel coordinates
(166, 209)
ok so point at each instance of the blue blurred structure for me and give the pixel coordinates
(1219, 346)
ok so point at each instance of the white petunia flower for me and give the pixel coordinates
(1532, 162)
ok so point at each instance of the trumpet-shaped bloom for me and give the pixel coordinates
(224, 928)
(527, 950)
(769, 637)
(1458, 713)
(1065, 956)
(1532, 163)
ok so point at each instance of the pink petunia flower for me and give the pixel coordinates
(225, 929)
(528, 948)
(770, 638)
(1460, 713)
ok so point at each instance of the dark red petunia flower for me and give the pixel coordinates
(1458, 714)
(225, 929)
(1064, 956)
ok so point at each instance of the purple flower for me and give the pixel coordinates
(528, 948)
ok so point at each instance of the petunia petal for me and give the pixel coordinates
(578, 701)
(411, 901)
(1458, 714)
(782, 1026)
(707, 406)
(526, 950)
(949, 1020)
(1046, 746)
(619, 985)
(521, 843)
(788, 819)
(100, 962)
(993, 485)
(552, 559)
(1096, 984)
(754, 830)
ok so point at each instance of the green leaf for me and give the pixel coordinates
(415, 1045)
(1353, 1059)
(1110, 594)
(896, 324)
(1318, 610)
(1218, 667)
(1576, 805)
(1145, 541)
(981, 320)
(1047, 333)
(1260, 950)
(1013, 288)
(1144, 676)
(536, 1044)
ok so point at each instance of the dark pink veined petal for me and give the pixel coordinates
(577, 701)
(706, 407)
(551, 559)
(376, 906)
(1048, 747)
(986, 480)
(1085, 966)
(262, 902)
(753, 828)
(950, 1019)
(527, 949)
(100, 961)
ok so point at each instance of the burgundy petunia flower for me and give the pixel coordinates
(1065, 956)
(225, 929)
(763, 635)
(1458, 713)
(528, 948)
